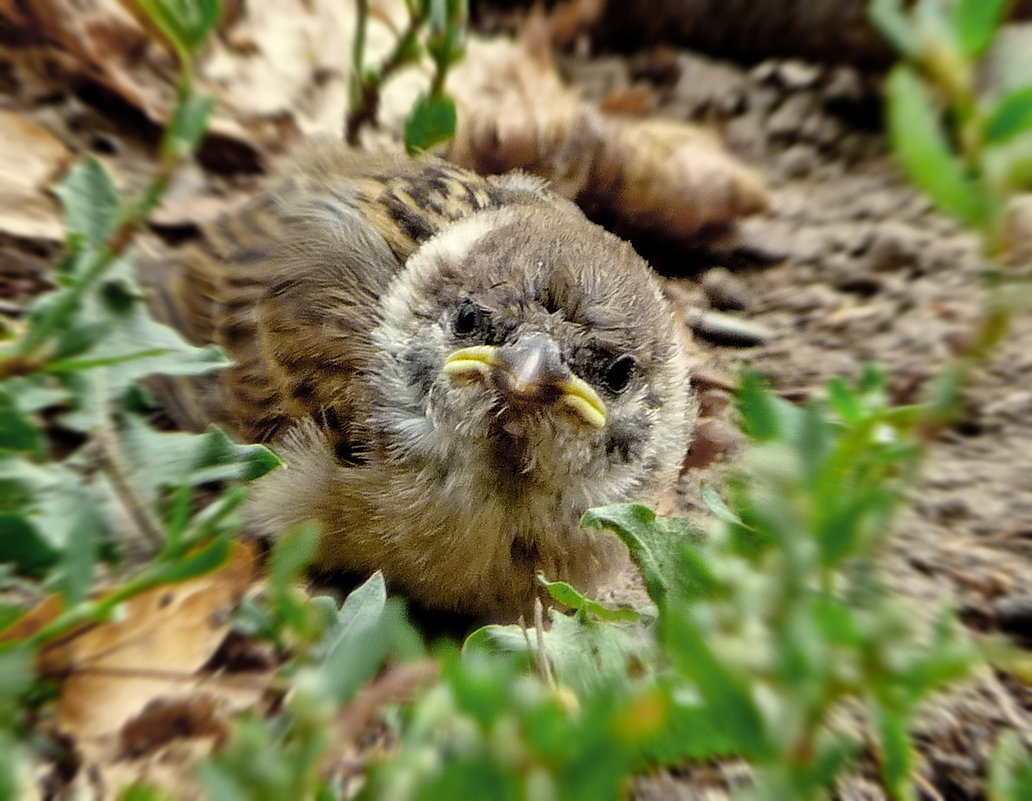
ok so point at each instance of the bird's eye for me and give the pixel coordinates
(468, 318)
(620, 373)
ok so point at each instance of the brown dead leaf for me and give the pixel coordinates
(164, 720)
(111, 671)
(571, 18)
(650, 175)
(515, 113)
(31, 158)
(667, 178)
(634, 102)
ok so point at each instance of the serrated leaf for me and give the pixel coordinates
(656, 544)
(91, 203)
(921, 147)
(975, 23)
(130, 343)
(570, 596)
(1011, 116)
(45, 507)
(431, 121)
(158, 459)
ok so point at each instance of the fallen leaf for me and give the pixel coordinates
(110, 671)
(668, 178)
(31, 159)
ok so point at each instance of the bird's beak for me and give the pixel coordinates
(530, 370)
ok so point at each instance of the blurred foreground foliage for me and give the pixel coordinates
(770, 637)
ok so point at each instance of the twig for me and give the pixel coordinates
(364, 107)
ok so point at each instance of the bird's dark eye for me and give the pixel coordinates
(468, 318)
(620, 373)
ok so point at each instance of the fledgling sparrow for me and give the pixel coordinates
(453, 368)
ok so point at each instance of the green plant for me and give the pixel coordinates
(435, 28)
(971, 153)
(764, 628)
(77, 456)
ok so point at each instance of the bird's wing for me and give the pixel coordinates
(288, 286)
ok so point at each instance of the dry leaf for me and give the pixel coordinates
(668, 178)
(31, 158)
(111, 671)
(647, 175)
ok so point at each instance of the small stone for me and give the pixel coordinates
(1014, 614)
(797, 74)
(725, 290)
(797, 161)
(893, 246)
(790, 115)
(723, 329)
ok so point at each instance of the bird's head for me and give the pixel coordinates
(529, 347)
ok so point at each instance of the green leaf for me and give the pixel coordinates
(1011, 116)
(18, 431)
(888, 17)
(367, 630)
(1010, 770)
(208, 558)
(91, 203)
(160, 459)
(291, 554)
(184, 22)
(976, 22)
(570, 596)
(726, 695)
(921, 146)
(143, 792)
(845, 401)
(126, 339)
(188, 124)
(45, 509)
(653, 552)
(759, 417)
(75, 571)
(716, 505)
(896, 752)
(431, 121)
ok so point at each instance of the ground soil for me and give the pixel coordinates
(864, 270)
(850, 265)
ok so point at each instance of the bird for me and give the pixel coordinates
(452, 367)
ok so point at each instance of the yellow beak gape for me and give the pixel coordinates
(483, 360)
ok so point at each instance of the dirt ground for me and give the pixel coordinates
(850, 265)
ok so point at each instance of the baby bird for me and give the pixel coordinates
(452, 367)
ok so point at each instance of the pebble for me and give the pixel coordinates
(1014, 614)
(893, 246)
(725, 290)
(723, 329)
